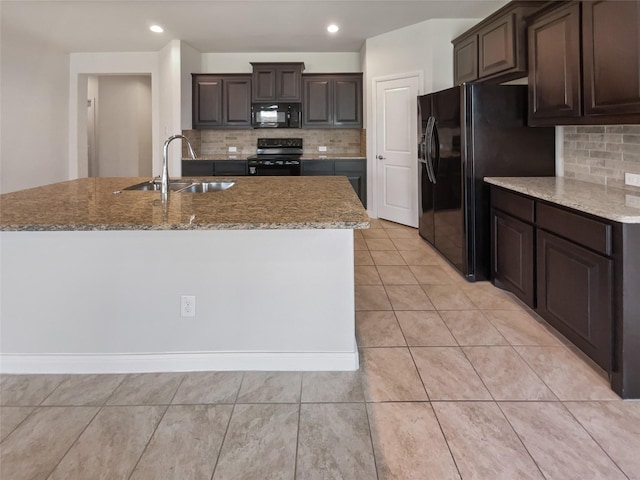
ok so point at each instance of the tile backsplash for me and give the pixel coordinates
(602, 154)
(217, 142)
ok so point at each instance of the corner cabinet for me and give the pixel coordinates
(496, 48)
(277, 82)
(355, 169)
(584, 63)
(221, 101)
(513, 240)
(332, 101)
(578, 272)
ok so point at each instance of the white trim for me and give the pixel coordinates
(178, 362)
(372, 139)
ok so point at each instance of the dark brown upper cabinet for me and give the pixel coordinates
(221, 101)
(611, 58)
(277, 82)
(332, 101)
(554, 65)
(584, 63)
(495, 49)
(465, 60)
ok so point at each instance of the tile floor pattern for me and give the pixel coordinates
(458, 381)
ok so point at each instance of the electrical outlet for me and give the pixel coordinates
(232, 149)
(322, 149)
(632, 179)
(632, 201)
(188, 306)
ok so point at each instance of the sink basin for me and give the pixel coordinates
(185, 186)
(152, 186)
(203, 187)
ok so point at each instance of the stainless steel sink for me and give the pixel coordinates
(191, 185)
(204, 187)
(153, 186)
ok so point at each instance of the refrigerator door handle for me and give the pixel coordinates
(435, 159)
(431, 124)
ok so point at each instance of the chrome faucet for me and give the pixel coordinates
(164, 179)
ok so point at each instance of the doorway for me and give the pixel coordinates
(119, 126)
(396, 155)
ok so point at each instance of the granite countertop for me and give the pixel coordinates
(611, 203)
(226, 156)
(305, 156)
(252, 203)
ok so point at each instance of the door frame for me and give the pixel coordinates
(372, 166)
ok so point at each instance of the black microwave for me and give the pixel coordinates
(276, 115)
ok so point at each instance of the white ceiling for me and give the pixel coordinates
(224, 25)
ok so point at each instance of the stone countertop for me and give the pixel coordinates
(305, 156)
(252, 203)
(615, 204)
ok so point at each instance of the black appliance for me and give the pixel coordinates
(276, 115)
(467, 133)
(276, 156)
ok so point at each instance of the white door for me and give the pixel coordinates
(396, 150)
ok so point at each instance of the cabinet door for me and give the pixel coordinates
(288, 83)
(611, 49)
(465, 60)
(512, 256)
(575, 294)
(496, 46)
(237, 101)
(264, 84)
(347, 102)
(318, 102)
(207, 101)
(554, 65)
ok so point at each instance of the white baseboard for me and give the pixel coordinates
(178, 362)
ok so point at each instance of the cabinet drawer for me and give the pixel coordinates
(580, 229)
(197, 168)
(231, 167)
(512, 203)
(318, 167)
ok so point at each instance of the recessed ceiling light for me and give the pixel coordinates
(156, 28)
(333, 28)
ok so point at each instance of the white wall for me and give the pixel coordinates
(34, 112)
(190, 62)
(170, 101)
(82, 65)
(424, 47)
(124, 126)
(314, 62)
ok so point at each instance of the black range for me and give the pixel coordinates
(276, 156)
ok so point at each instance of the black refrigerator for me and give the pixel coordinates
(467, 133)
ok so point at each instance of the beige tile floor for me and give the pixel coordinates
(458, 381)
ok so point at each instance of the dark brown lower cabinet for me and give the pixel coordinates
(513, 256)
(579, 272)
(575, 294)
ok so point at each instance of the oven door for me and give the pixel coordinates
(274, 168)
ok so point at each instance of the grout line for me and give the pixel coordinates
(224, 437)
(73, 444)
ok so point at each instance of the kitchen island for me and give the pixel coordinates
(92, 280)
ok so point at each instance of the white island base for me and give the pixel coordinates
(109, 301)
